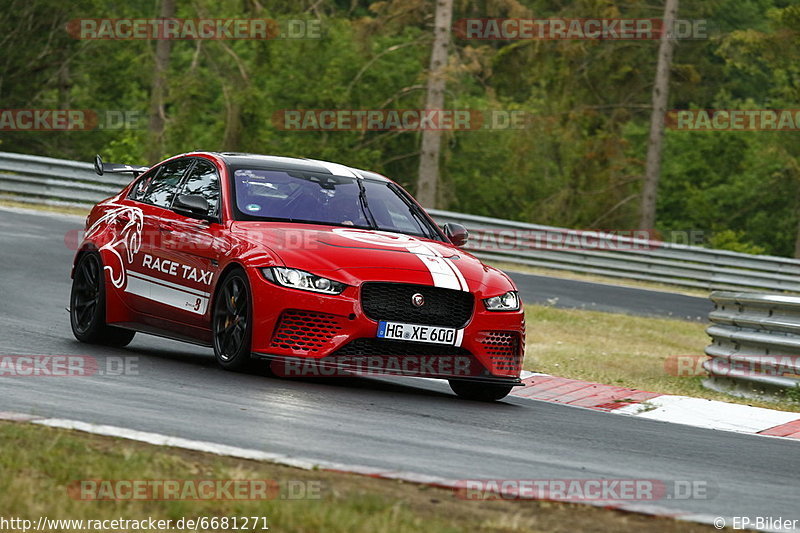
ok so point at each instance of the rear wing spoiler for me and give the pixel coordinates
(116, 168)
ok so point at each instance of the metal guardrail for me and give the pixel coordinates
(55, 181)
(755, 348)
(58, 181)
(624, 257)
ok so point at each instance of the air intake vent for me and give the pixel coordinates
(305, 330)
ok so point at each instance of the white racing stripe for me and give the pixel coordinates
(458, 273)
(444, 273)
(167, 293)
(441, 268)
(336, 169)
(449, 262)
(152, 279)
(441, 274)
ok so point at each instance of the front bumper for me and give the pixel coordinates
(295, 328)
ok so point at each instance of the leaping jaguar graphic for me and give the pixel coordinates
(127, 241)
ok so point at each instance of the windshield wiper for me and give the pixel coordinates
(418, 214)
(362, 200)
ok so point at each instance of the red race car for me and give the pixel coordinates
(320, 268)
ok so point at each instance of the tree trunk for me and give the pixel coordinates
(231, 138)
(427, 183)
(660, 98)
(157, 119)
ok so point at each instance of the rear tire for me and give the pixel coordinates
(87, 305)
(480, 392)
(232, 322)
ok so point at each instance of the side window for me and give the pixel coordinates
(163, 187)
(204, 181)
(139, 188)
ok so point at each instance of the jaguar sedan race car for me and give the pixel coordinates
(319, 268)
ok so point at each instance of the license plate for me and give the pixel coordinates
(416, 333)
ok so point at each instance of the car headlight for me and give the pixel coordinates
(300, 279)
(505, 302)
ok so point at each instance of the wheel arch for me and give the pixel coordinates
(87, 247)
(230, 267)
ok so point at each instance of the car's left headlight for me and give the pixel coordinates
(300, 279)
(505, 302)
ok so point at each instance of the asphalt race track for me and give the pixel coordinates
(567, 293)
(410, 425)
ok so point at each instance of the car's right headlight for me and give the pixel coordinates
(505, 302)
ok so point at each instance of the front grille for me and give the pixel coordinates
(307, 331)
(392, 301)
(503, 349)
(370, 346)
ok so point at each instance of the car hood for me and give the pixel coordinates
(356, 251)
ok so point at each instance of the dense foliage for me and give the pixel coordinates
(577, 163)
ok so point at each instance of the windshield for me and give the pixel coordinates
(306, 197)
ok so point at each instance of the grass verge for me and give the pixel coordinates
(622, 350)
(38, 464)
(6, 201)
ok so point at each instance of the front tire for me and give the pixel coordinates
(232, 322)
(481, 392)
(87, 305)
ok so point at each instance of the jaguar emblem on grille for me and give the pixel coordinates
(418, 300)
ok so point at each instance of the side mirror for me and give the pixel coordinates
(191, 205)
(457, 233)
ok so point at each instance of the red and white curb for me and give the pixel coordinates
(158, 439)
(684, 410)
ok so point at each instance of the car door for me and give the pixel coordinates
(151, 274)
(135, 216)
(194, 244)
